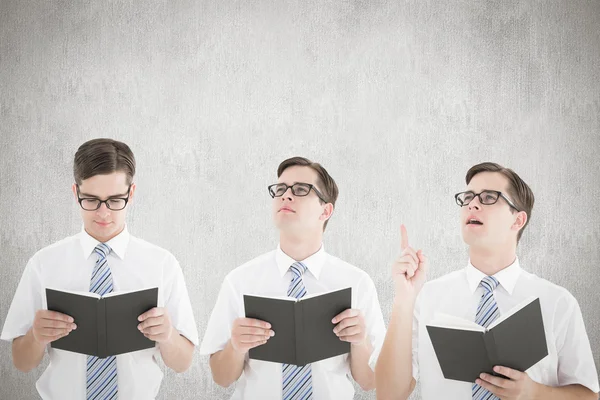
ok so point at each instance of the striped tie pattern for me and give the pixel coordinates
(101, 372)
(487, 312)
(297, 381)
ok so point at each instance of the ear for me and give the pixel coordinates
(74, 189)
(327, 212)
(131, 193)
(520, 221)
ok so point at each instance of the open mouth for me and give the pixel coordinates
(473, 221)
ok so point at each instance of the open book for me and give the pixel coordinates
(303, 327)
(465, 349)
(106, 326)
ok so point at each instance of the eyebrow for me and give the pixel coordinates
(86, 195)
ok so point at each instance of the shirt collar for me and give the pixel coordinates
(118, 244)
(506, 277)
(314, 263)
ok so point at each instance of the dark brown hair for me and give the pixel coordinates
(101, 157)
(520, 193)
(326, 184)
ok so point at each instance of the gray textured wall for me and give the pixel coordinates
(396, 100)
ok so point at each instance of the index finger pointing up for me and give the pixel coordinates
(403, 237)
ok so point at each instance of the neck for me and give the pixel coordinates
(300, 247)
(492, 261)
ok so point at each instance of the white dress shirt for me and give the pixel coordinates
(68, 264)
(569, 359)
(269, 275)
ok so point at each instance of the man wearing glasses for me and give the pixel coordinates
(102, 258)
(495, 209)
(303, 202)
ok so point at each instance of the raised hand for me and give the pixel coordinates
(410, 269)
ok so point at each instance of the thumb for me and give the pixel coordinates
(423, 262)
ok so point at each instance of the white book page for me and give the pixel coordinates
(512, 311)
(112, 294)
(87, 294)
(449, 321)
(272, 297)
(308, 296)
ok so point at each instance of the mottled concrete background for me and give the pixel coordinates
(396, 99)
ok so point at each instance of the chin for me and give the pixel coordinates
(102, 233)
(285, 219)
(279, 224)
(471, 239)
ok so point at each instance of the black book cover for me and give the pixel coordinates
(303, 328)
(517, 342)
(105, 326)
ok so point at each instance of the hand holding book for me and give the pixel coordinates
(156, 325)
(518, 385)
(248, 333)
(49, 326)
(350, 326)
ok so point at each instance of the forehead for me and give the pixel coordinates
(299, 174)
(489, 181)
(105, 185)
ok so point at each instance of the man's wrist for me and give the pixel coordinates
(238, 353)
(540, 391)
(171, 339)
(32, 338)
(364, 345)
(403, 303)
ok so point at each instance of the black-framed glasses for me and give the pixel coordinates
(486, 197)
(112, 203)
(299, 189)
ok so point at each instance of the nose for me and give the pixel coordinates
(475, 204)
(287, 195)
(103, 210)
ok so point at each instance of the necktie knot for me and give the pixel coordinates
(489, 283)
(298, 269)
(102, 249)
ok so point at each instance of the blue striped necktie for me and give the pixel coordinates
(487, 312)
(101, 372)
(297, 381)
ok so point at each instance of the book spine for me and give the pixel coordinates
(491, 349)
(102, 339)
(298, 334)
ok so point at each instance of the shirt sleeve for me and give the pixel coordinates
(368, 303)
(575, 359)
(178, 304)
(27, 301)
(226, 310)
